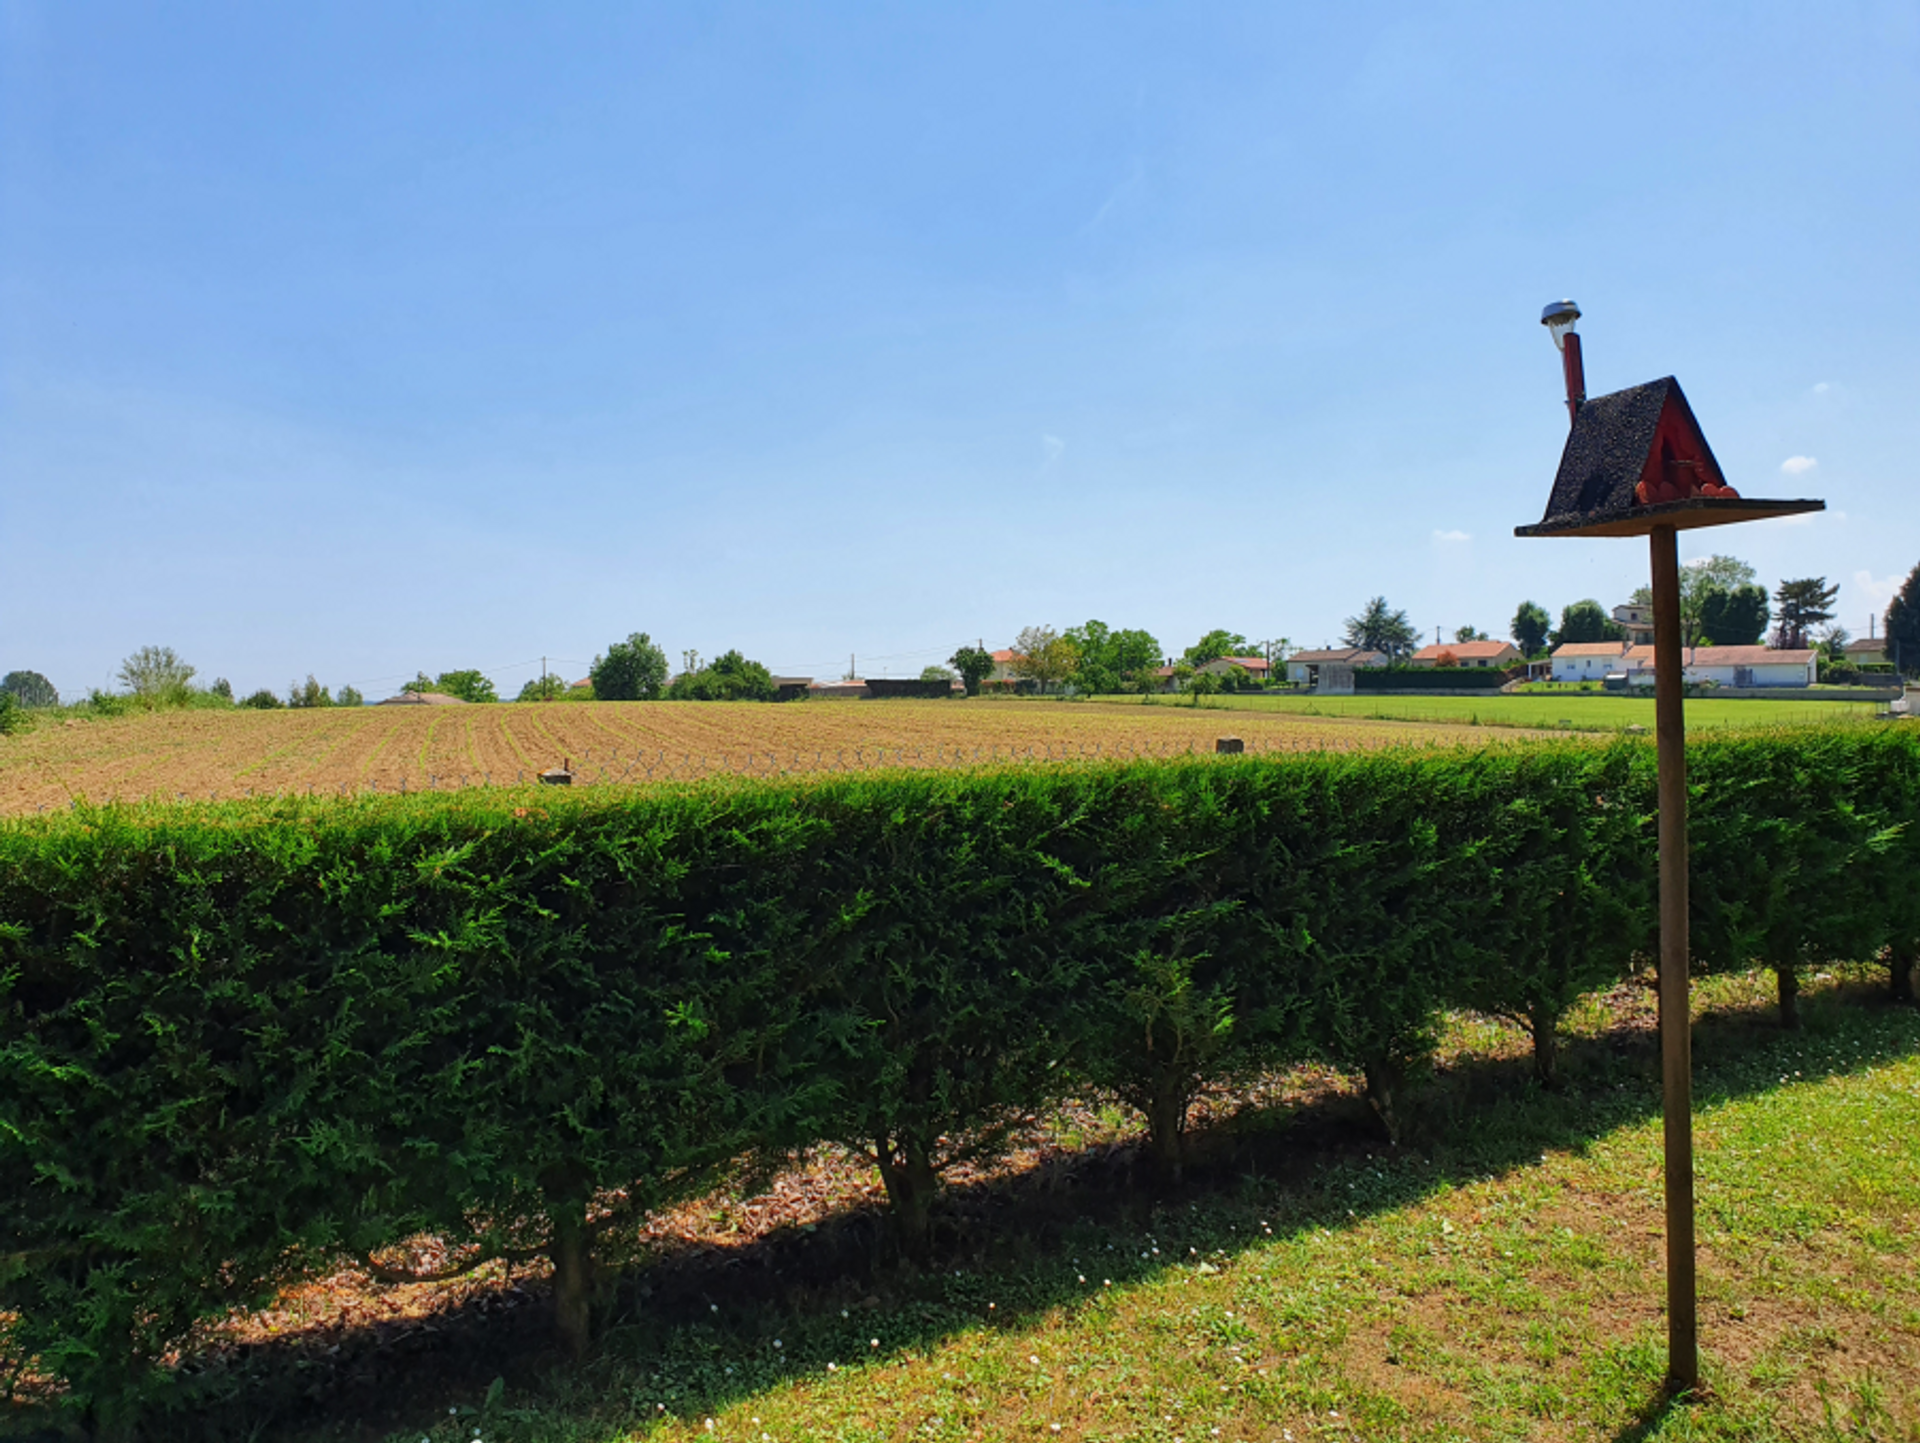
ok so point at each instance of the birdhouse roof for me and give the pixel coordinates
(1622, 439)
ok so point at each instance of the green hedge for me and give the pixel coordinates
(238, 1042)
(1422, 678)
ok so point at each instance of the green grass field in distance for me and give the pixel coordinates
(1586, 712)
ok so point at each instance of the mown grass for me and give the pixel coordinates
(1574, 712)
(1499, 1278)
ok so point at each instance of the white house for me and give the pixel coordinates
(1741, 666)
(1636, 621)
(1304, 666)
(1587, 660)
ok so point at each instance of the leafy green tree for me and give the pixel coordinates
(543, 688)
(1214, 645)
(1201, 683)
(1380, 628)
(263, 700)
(13, 715)
(975, 665)
(1468, 633)
(467, 685)
(1903, 626)
(312, 694)
(728, 677)
(222, 689)
(1697, 578)
(1804, 604)
(937, 673)
(1042, 655)
(1587, 621)
(631, 670)
(156, 673)
(1531, 625)
(1111, 660)
(349, 696)
(29, 689)
(1734, 618)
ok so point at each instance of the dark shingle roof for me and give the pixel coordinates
(1607, 450)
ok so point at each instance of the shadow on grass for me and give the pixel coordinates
(703, 1327)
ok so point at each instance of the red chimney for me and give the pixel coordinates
(1559, 319)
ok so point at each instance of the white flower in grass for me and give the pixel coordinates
(873, 1342)
(1033, 1358)
(833, 1367)
(777, 1343)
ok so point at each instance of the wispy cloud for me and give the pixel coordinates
(1453, 536)
(1054, 448)
(1124, 197)
(1879, 591)
(1798, 465)
(1820, 388)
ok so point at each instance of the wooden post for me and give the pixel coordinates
(1676, 1029)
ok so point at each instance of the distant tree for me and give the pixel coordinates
(1733, 618)
(975, 665)
(221, 688)
(1197, 684)
(728, 677)
(1903, 626)
(29, 689)
(1467, 633)
(1531, 624)
(1697, 578)
(1214, 645)
(467, 685)
(349, 696)
(1108, 660)
(154, 673)
(1803, 604)
(543, 688)
(1382, 629)
(937, 673)
(1587, 621)
(1042, 655)
(263, 700)
(312, 694)
(632, 670)
(13, 715)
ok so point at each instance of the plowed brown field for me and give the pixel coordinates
(201, 755)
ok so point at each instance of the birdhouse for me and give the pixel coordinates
(1637, 459)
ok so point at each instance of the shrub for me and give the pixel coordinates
(13, 716)
(262, 700)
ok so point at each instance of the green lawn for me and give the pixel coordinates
(1584, 712)
(1498, 1280)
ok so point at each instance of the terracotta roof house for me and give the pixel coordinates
(1468, 653)
(1256, 667)
(1588, 660)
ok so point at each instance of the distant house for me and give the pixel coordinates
(1741, 666)
(1867, 651)
(852, 689)
(1587, 660)
(1468, 653)
(422, 698)
(1003, 665)
(1637, 622)
(1304, 666)
(1256, 667)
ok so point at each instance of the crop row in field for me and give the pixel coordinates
(202, 755)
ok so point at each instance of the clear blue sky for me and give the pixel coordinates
(365, 339)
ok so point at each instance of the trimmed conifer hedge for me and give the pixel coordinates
(240, 1042)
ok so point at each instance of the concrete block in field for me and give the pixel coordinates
(1230, 746)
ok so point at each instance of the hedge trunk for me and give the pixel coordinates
(911, 1180)
(1789, 980)
(571, 1252)
(1903, 966)
(1544, 1023)
(1383, 1091)
(1167, 1126)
